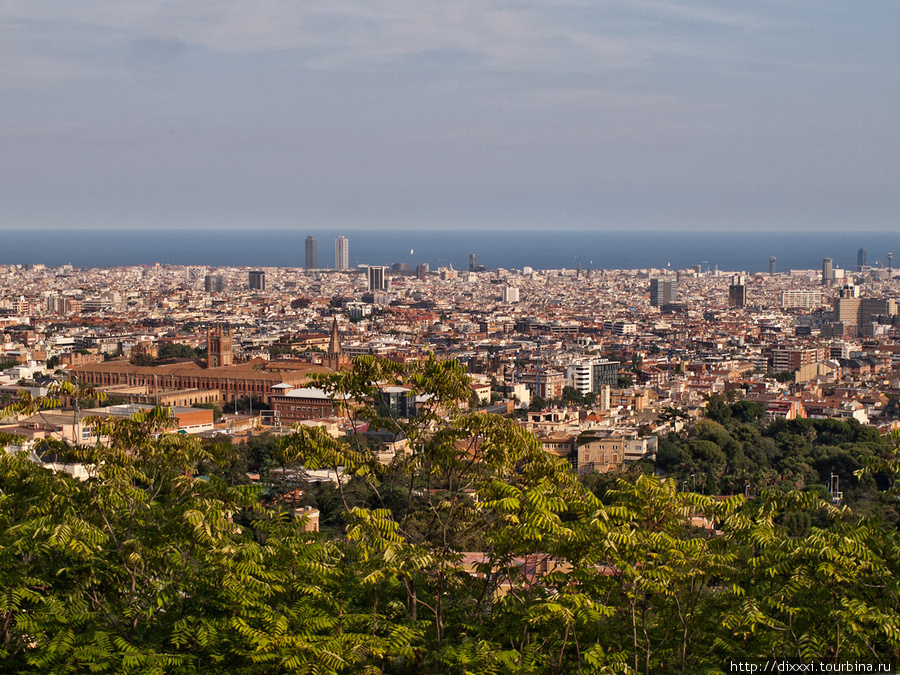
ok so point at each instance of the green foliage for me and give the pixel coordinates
(277, 350)
(473, 552)
(537, 403)
(624, 382)
(142, 360)
(751, 455)
(573, 396)
(178, 350)
(671, 415)
(747, 411)
(637, 362)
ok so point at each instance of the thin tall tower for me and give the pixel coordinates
(827, 271)
(341, 253)
(311, 262)
(376, 278)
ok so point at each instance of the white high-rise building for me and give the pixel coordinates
(591, 375)
(510, 294)
(341, 253)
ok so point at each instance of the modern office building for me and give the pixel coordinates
(376, 278)
(663, 292)
(860, 259)
(341, 253)
(801, 299)
(591, 375)
(422, 271)
(852, 310)
(311, 261)
(579, 376)
(214, 283)
(257, 280)
(510, 294)
(827, 271)
(772, 260)
(473, 264)
(791, 358)
(737, 292)
(620, 327)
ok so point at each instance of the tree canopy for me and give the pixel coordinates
(472, 552)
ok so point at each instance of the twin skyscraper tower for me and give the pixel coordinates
(341, 253)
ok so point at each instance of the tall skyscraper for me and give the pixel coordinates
(256, 280)
(214, 283)
(376, 278)
(772, 265)
(311, 262)
(341, 254)
(737, 292)
(663, 292)
(473, 263)
(860, 259)
(827, 271)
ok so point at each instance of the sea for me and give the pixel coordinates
(546, 249)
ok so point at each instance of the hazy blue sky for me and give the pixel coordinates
(450, 114)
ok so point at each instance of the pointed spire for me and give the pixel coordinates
(335, 358)
(334, 345)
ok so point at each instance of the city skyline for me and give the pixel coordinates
(739, 252)
(620, 115)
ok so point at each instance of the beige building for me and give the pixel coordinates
(610, 453)
(601, 455)
(232, 382)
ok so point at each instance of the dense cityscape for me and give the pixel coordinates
(716, 396)
(801, 343)
(468, 338)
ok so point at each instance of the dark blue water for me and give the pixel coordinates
(743, 251)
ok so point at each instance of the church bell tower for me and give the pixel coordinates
(219, 347)
(335, 358)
